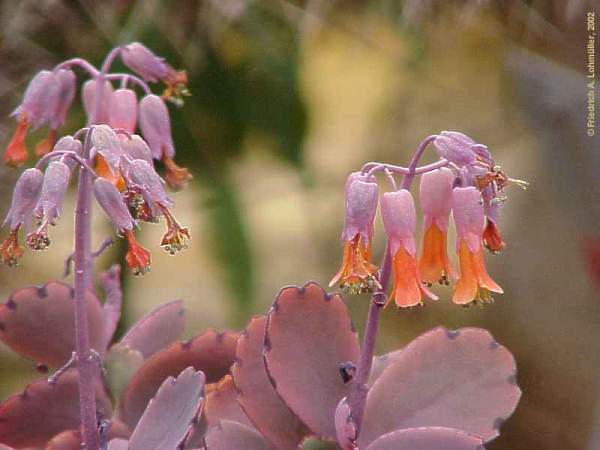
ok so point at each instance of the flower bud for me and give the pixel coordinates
(64, 96)
(123, 110)
(156, 126)
(467, 211)
(455, 147)
(90, 88)
(25, 197)
(110, 200)
(143, 62)
(399, 219)
(108, 145)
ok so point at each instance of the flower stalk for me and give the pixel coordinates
(82, 260)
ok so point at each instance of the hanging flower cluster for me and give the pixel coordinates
(465, 182)
(126, 184)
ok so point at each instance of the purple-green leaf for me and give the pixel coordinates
(118, 444)
(458, 379)
(157, 329)
(222, 404)
(427, 438)
(230, 435)
(111, 309)
(67, 440)
(309, 334)
(37, 322)
(212, 353)
(312, 443)
(42, 410)
(262, 404)
(169, 415)
(380, 363)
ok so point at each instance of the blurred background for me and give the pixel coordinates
(289, 97)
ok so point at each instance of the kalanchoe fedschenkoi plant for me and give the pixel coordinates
(295, 377)
(112, 164)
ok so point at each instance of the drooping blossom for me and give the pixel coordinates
(123, 110)
(156, 129)
(61, 99)
(49, 205)
(25, 197)
(112, 203)
(357, 274)
(399, 220)
(154, 68)
(67, 144)
(147, 190)
(89, 95)
(32, 112)
(108, 151)
(436, 202)
(474, 283)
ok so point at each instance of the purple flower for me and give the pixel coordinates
(123, 110)
(357, 274)
(25, 197)
(474, 282)
(156, 129)
(90, 88)
(110, 200)
(154, 68)
(436, 202)
(49, 205)
(399, 220)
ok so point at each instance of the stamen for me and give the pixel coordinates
(10, 251)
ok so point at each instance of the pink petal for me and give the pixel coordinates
(309, 333)
(212, 353)
(166, 421)
(42, 410)
(222, 404)
(37, 322)
(157, 329)
(428, 438)
(257, 397)
(458, 379)
(234, 436)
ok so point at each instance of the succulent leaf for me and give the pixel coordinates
(309, 334)
(222, 404)
(36, 322)
(427, 438)
(32, 417)
(121, 363)
(458, 379)
(271, 416)
(157, 329)
(210, 352)
(169, 415)
(230, 435)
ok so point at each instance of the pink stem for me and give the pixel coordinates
(408, 178)
(358, 394)
(121, 76)
(78, 62)
(110, 59)
(82, 282)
